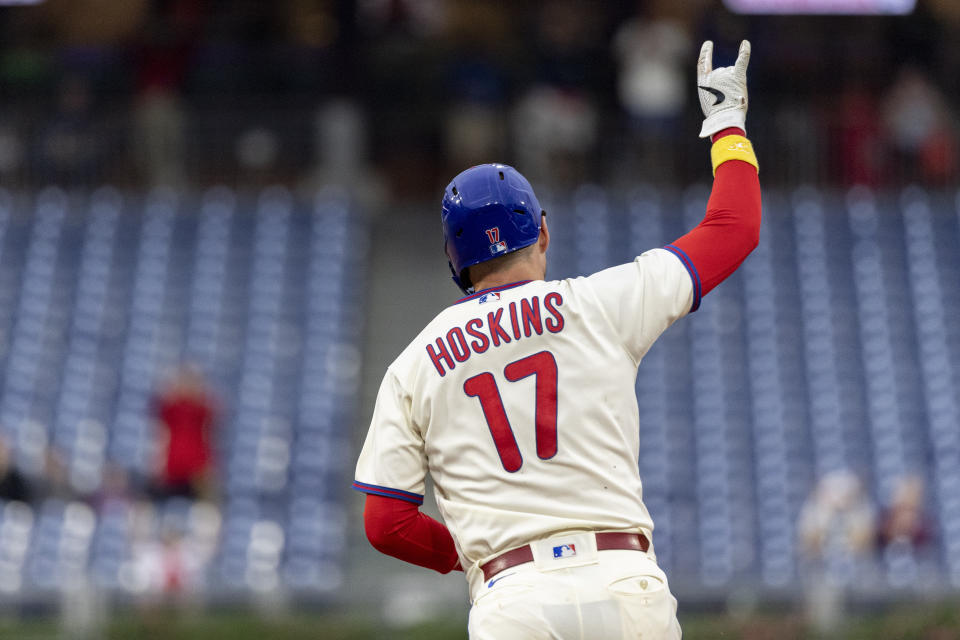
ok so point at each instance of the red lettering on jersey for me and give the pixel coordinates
(497, 334)
(436, 356)
(493, 235)
(530, 315)
(551, 301)
(484, 387)
(458, 344)
(482, 342)
(544, 366)
(514, 322)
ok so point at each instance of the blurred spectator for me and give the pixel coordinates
(114, 22)
(920, 128)
(161, 564)
(186, 411)
(11, 152)
(115, 488)
(155, 570)
(905, 534)
(556, 123)
(417, 18)
(172, 550)
(257, 149)
(13, 486)
(904, 520)
(652, 85)
(836, 535)
(837, 519)
(162, 57)
(341, 142)
(797, 130)
(473, 134)
(569, 50)
(342, 155)
(55, 482)
(476, 86)
(554, 132)
(858, 145)
(69, 148)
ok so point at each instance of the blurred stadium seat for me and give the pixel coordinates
(103, 292)
(804, 366)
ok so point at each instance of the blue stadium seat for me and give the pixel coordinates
(832, 348)
(101, 293)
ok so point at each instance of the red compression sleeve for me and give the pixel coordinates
(729, 131)
(397, 528)
(731, 228)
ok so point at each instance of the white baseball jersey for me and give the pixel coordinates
(520, 403)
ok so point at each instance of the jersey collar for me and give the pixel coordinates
(491, 289)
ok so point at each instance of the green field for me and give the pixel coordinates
(907, 623)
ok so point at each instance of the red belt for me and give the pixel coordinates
(606, 540)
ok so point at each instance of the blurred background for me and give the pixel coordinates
(219, 225)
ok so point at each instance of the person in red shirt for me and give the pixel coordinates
(186, 412)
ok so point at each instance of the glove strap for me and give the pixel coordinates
(732, 148)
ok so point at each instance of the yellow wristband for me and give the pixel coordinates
(732, 148)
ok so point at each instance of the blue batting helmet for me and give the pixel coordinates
(488, 211)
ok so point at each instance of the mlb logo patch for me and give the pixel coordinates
(489, 297)
(496, 244)
(565, 551)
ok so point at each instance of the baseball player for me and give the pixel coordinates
(519, 401)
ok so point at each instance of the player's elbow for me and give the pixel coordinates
(750, 228)
(744, 237)
(378, 535)
(752, 234)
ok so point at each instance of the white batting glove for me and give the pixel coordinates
(723, 91)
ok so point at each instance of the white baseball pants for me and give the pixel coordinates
(610, 595)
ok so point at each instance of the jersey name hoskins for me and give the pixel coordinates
(519, 319)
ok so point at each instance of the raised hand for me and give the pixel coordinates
(723, 91)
